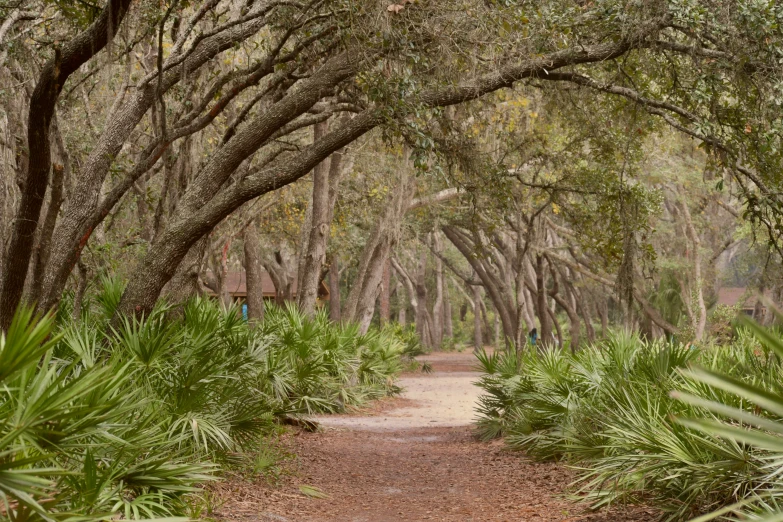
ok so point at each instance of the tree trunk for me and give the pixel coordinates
(253, 275)
(384, 305)
(317, 234)
(42, 106)
(406, 280)
(603, 310)
(485, 319)
(83, 212)
(384, 236)
(225, 296)
(43, 248)
(583, 307)
(702, 307)
(498, 340)
(543, 309)
(401, 303)
(437, 308)
(278, 266)
(185, 282)
(478, 344)
(334, 288)
(558, 331)
(78, 298)
(492, 285)
(422, 326)
(573, 316)
(448, 320)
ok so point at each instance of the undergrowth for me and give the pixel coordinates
(130, 421)
(695, 433)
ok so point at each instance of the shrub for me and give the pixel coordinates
(608, 410)
(97, 422)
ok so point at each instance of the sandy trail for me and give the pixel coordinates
(436, 401)
(413, 458)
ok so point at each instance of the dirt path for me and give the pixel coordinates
(414, 458)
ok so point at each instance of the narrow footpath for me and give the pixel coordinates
(413, 458)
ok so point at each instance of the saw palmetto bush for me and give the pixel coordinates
(98, 422)
(681, 429)
(78, 438)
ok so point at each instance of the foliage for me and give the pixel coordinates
(99, 422)
(608, 410)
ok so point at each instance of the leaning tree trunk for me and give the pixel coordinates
(360, 305)
(253, 275)
(573, 317)
(185, 282)
(490, 282)
(82, 213)
(47, 90)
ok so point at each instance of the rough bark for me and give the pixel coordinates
(448, 320)
(403, 306)
(253, 275)
(384, 302)
(406, 279)
(478, 344)
(78, 298)
(541, 305)
(701, 324)
(42, 105)
(43, 246)
(185, 282)
(317, 234)
(437, 307)
(334, 288)
(278, 266)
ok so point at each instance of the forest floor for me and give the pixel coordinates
(410, 458)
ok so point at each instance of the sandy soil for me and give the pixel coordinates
(413, 458)
(439, 400)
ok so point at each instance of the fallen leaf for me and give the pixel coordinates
(312, 491)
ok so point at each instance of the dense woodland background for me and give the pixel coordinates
(473, 169)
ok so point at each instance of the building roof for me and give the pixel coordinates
(734, 295)
(236, 284)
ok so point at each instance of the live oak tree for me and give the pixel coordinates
(209, 105)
